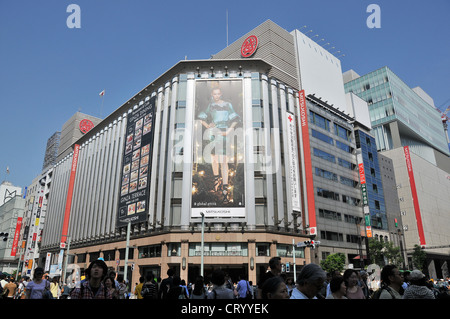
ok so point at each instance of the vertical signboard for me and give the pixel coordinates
(294, 172)
(73, 172)
(308, 164)
(16, 237)
(365, 199)
(136, 165)
(414, 196)
(218, 174)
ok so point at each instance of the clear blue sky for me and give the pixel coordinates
(48, 71)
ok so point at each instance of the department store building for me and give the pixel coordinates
(213, 144)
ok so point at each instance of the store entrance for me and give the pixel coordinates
(234, 271)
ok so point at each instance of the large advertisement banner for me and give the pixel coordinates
(136, 165)
(294, 171)
(218, 175)
(412, 183)
(308, 163)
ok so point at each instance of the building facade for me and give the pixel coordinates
(163, 185)
(408, 130)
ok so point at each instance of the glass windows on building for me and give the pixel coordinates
(149, 251)
(323, 137)
(284, 250)
(219, 249)
(329, 214)
(263, 249)
(327, 194)
(319, 120)
(324, 155)
(342, 132)
(326, 174)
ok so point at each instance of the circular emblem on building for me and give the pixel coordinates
(86, 125)
(249, 46)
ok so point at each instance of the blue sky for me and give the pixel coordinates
(49, 71)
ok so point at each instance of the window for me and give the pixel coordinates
(348, 181)
(284, 250)
(324, 155)
(377, 204)
(327, 194)
(345, 163)
(329, 214)
(319, 120)
(150, 251)
(328, 235)
(350, 200)
(342, 132)
(173, 249)
(262, 249)
(344, 147)
(322, 137)
(326, 174)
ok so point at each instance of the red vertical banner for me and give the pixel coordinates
(16, 236)
(412, 183)
(308, 164)
(73, 171)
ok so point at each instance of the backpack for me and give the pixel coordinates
(377, 293)
(148, 291)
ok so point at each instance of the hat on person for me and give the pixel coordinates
(416, 275)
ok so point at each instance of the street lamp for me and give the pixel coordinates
(203, 242)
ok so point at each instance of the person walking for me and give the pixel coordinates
(199, 291)
(353, 290)
(275, 270)
(110, 285)
(219, 290)
(149, 287)
(243, 289)
(274, 288)
(93, 287)
(338, 289)
(11, 288)
(418, 287)
(36, 289)
(54, 287)
(391, 282)
(309, 282)
(166, 284)
(138, 288)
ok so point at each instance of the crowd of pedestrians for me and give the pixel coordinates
(312, 282)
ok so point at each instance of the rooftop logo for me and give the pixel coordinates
(249, 46)
(86, 125)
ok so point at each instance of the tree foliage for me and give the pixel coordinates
(382, 253)
(333, 262)
(419, 257)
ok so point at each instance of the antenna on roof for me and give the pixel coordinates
(227, 25)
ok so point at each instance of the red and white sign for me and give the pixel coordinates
(307, 161)
(16, 236)
(362, 176)
(249, 46)
(86, 125)
(73, 172)
(414, 196)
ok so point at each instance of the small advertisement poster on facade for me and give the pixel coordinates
(218, 176)
(136, 165)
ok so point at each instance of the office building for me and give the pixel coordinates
(408, 129)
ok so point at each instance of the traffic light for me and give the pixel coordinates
(395, 221)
